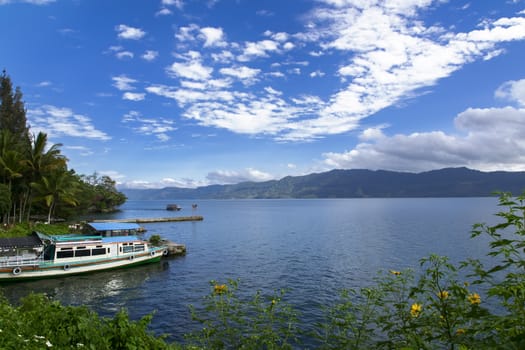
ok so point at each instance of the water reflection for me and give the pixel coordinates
(105, 292)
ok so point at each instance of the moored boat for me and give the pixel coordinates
(44, 256)
(173, 207)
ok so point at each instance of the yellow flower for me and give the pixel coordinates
(443, 294)
(415, 309)
(460, 331)
(395, 273)
(220, 288)
(474, 298)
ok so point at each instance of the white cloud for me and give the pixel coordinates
(386, 53)
(177, 3)
(158, 127)
(150, 55)
(487, 139)
(233, 177)
(113, 174)
(392, 56)
(165, 182)
(122, 55)
(317, 73)
(127, 32)
(163, 12)
(82, 150)
(187, 33)
(288, 46)
(223, 56)
(44, 84)
(513, 91)
(133, 96)
(192, 94)
(62, 121)
(246, 74)
(258, 49)
(123, 82)
(190, 69)
(281, 36)
(212, 36)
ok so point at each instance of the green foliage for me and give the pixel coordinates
(26, 228)
(36, 175)
(101, 193)
(155, 240)
(231, 322)
(5, 199)
(39, 323)
(505, 278)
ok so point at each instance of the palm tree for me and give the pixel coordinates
(11, 166)
(59, 186)
(41, 162)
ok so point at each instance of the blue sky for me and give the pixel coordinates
(188, 93)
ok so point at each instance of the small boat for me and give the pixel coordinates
(45, 256)
(174, 207)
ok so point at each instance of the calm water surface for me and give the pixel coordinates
(313, 248)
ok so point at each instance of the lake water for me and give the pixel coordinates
(314, 248)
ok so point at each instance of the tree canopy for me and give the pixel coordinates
(35, 180)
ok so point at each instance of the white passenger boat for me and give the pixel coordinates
(43, 256)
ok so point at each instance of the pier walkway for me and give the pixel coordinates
(165, 219)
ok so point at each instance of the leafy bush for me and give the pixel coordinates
(155, 240)
(39, 323)
(231, 322)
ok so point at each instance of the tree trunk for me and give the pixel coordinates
(50, 212)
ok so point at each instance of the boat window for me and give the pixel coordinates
(99, 246)
(84, 247)
(98, 251)
(67, 248)
(65, 254)
(82, 252)
(128, 249)
(139, 247)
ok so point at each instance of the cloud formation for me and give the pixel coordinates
(233, 177)
(130, 33)
(158, 127)
(62, 121)
(387, 54)
(487, 139)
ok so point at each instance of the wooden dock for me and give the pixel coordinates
(165, 219)
(174, 249)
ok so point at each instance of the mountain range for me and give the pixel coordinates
(355, 183)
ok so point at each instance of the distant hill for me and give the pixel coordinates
(449, 182)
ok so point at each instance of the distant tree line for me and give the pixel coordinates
(35, 181)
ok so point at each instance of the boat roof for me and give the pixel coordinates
(75, 238)
(21, 242)
(119, 239)
(113, 226)
(85, 238)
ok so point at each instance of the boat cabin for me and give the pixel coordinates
(67, 248)
(20, 248)
(112, 229)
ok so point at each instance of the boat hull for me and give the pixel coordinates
(53, 270)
